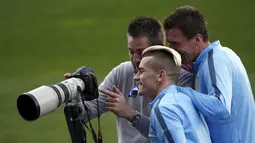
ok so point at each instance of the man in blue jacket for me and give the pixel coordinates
(173, 117)
(222, 92)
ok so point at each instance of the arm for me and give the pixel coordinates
(143, 126)
(168, 125)
(109, 81)
(216, 82)
(92, 107)
(118, 105)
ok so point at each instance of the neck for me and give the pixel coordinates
(202, 47)
(162, 87)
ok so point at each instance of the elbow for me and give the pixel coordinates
(220, 111)
(222, 114)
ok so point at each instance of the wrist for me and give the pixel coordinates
(130, 115)
(135, 119)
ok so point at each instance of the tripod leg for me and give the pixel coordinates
(76, 128)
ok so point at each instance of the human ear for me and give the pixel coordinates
(198, 38)
(161, 75)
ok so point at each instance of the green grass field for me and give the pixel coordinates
(41, 40)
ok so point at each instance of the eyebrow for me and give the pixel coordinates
(140, 68)
(136, 49)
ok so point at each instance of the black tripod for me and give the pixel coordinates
(75, 126)
(72, 110)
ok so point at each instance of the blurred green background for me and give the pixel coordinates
(42, 40)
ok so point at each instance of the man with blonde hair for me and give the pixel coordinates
(132, 113)
(173, 117)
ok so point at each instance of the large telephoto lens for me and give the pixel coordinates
(46, 99)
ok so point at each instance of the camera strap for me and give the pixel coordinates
(94, 136)
(90, 93)
(100, 137)
(97, 139)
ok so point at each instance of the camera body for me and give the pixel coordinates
(45, 99)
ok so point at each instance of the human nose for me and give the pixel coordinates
(136, 77)
(137, 58)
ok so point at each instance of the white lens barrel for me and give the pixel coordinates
(45, 99)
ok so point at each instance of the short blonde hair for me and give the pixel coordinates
(165, 58)
(176, 56)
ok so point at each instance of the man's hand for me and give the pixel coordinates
(67, 75)
(117, 104)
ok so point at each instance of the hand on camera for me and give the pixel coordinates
(67, 75)
(82, 70)
(117, 104)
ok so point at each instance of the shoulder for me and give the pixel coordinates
(175, 99)
(185, 79)
(123, 68)
(125, 64)
(221, 53)
(119, 74)
(164, 111)
(185, 73)
(169, 104)
(172, 103)
(219, 57)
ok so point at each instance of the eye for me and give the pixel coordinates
(141, 71)
(131, 52)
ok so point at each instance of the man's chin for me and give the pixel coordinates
(140, 93)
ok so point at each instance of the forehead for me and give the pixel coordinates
(174, 34)
(138, 43)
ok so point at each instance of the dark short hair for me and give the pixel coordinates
(149, 27)
(189, 20)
